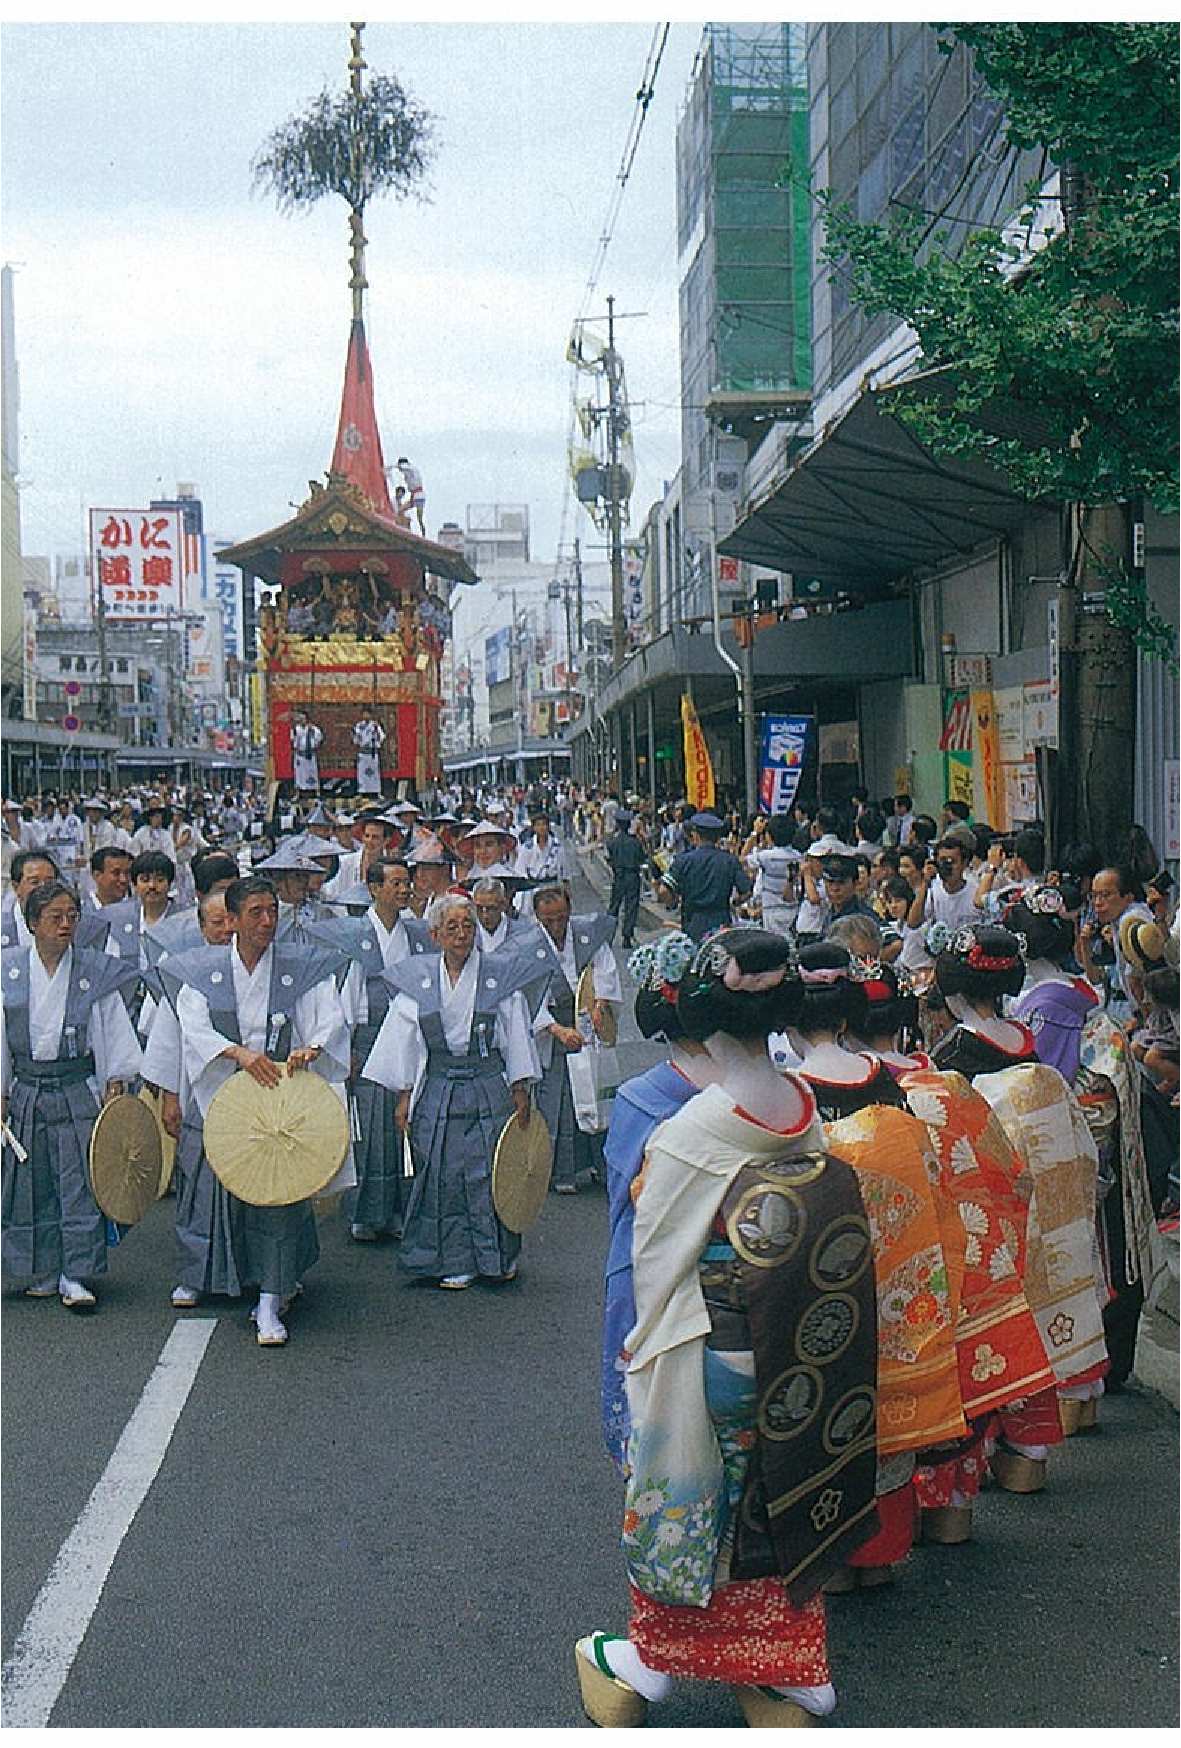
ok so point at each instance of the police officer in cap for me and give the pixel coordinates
(705, 879)
(625, 854)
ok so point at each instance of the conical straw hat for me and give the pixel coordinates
(521, 1169)
(125, 1160)
(274, 1145)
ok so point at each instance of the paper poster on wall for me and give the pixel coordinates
(1009, 705)
(1020, 786)
(1172, 809)
(1039, 715)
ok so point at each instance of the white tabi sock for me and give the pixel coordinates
(820, 1701)
(69, 1289)
(1036, 1453)
(627, 1663)
(267, 1315)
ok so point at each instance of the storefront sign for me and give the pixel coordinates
(784, 749)
(137, 562)
(1040, 715)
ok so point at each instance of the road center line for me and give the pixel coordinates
(56, 1625)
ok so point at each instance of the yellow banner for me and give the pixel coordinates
(257, 722)
(989, 803)
(699, 771)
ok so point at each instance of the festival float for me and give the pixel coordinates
(355, 618)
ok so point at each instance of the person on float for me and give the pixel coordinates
(567, 1097)
(640, 1104)
(306, 740)
(455, 1050)
(976, 969)
(368, 738)
(735, 1197)
(68, 1046)
(227, 1003)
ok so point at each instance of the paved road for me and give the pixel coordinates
(405, 1518)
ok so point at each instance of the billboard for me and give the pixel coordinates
(498, 657)
(227, 592)
(138, 562)
(781, 761)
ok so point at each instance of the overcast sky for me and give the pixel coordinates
(173, 325)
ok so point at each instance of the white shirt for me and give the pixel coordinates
(47, 1005)
(348, 874)
(953, 908)
(497, 938)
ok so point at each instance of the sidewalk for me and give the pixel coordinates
(597, 874)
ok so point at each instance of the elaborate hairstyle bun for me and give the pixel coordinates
(981, 961)
(831, 991)
(1040, 916)
(657, 971)
(890, 1004)
(741, 981)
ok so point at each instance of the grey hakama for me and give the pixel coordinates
(51, 1223)
(462, 1103)
(209, 1236)
(576, 1151)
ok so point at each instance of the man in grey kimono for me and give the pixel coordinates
(379, 939)
(68, 1045)
(456, 1051)
(567, 945)
(258, 1007)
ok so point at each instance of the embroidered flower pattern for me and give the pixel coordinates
(826, 1509)
(913, 1303)
(961, 1157)
(972, 1250)
(1061, 1329)
(1001, 1264)
(987, 1363)
(671, 1547)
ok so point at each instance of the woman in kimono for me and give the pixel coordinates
(640, 1104)
(751, 1456)
(456, 1049)
(891, 1015)
(68, 1046)
(1053, 1003)
(842, 1080)
(975, 969)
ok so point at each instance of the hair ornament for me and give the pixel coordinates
(672, 957)
(936, 939)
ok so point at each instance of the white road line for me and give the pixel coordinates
(56, 1625)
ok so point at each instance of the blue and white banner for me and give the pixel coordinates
(781, 763)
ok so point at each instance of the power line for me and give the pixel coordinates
(631, 145)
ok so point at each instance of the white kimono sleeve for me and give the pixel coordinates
(514, 1040)
(202, 1046)
(319, 1018)
(398, 1057)
(111, 1036)
(606, 975)
(354, 997)
(163, 1053)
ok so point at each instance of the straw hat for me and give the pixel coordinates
(584, 1003)
(521, 1169)
(124, 1160)
(271, 1146)
(1143, 944)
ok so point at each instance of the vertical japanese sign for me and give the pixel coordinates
(699, 771)
(227, 591)
(138, 562)
(781, 763)
(29, 658)
(988, 801)
(1172, 809)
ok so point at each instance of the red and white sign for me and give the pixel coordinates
(138, 561)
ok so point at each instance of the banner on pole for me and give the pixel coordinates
(699, 771)
(781, 762)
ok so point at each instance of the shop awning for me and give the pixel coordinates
(866, 503)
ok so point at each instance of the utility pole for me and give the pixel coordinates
(104, 664)
(578, 586)
(569, 650)
(614, 502)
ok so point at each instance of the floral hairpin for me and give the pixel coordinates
(963, 941)
(1046, 901)
(864, 970)
(937, 939)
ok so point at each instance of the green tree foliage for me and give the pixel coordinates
(355, 146)
(1074, 343)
